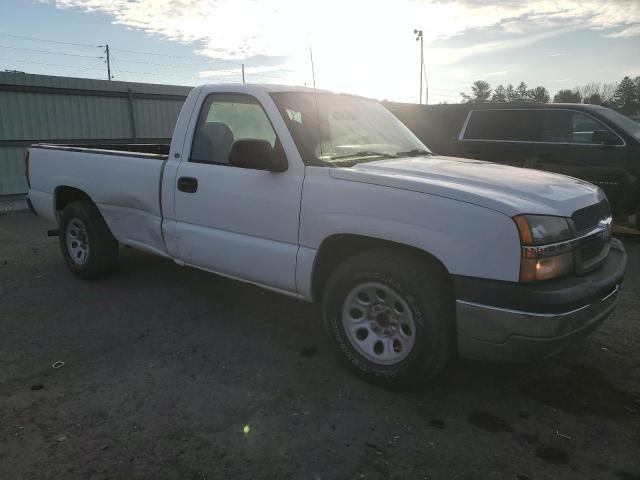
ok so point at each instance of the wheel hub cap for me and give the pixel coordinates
(77, 241)
(379, 323)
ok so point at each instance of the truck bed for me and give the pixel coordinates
(123, 180)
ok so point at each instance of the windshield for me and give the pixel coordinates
(342, 130)
(625, 123)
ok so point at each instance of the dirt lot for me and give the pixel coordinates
(165, 366)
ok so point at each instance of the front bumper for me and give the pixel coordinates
(520, 322)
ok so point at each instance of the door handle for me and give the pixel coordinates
(188, 184)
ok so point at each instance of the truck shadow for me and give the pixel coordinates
(565, 382)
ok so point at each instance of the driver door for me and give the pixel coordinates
(238, 222)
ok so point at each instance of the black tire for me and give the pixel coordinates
(426, 290)
(102, 252)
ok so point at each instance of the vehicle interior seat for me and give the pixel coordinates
(212, 143)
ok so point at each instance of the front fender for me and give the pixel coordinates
(467, 239)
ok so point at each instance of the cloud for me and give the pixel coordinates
(450, 55)
(364, 46)
(494, 74)
(633, 31)
(239, 28)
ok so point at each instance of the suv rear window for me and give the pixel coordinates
(505, 125)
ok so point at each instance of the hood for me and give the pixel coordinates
(506, 189)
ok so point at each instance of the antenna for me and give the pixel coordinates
(313, 70)
(315, 96)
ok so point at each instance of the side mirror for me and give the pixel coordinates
(605, 137)
(257, 155)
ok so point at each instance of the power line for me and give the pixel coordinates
(39, 63)
(166, 75)
(153, 54)
(139, 62)
(197, 68)
(23, 37)
(49, 52)
(94, 67)
(181, 57)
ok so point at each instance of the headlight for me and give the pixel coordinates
(547, 247)
(542, 229)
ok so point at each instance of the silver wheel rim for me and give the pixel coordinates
(77, 240)
(379, 323)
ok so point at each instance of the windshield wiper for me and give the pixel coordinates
(416, 152)
(364, 153)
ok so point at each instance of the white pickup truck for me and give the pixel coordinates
(329, 198)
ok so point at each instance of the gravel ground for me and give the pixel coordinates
(165, 367)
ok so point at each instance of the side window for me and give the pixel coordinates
(225, 118)
(504, 125)
(564, 126)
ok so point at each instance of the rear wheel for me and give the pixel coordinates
(390, 315)
(88, 247)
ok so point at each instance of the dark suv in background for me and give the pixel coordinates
(589, 142)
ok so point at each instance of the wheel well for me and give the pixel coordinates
(65, 195)
(336, 249)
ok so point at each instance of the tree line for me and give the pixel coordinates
(623, 96)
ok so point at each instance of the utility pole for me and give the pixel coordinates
(106, 51)
(418, 34)
(243, 73)
(426, 86)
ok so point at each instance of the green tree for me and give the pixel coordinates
(499, 95)
(567, 96)
(480, 92)
(511, 94)
(522, 92)
(626, 98)
(539, 94)
(593, 99)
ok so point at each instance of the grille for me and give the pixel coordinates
(592, 250)
(589, 217)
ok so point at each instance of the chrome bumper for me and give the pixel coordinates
(505, 335)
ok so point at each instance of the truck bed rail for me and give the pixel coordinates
(159, 151)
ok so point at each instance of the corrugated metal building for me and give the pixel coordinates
(41, 108)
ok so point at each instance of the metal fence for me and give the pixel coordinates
(48, 109)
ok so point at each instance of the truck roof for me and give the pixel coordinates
(264, 87)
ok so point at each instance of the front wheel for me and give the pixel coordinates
(390, 314)
(88, 247)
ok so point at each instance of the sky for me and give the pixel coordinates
(367, 47)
